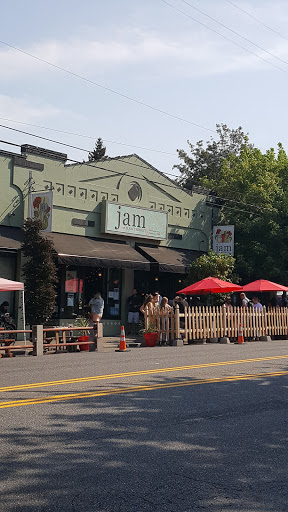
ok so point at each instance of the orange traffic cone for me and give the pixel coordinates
(240, 334)
(122, 346)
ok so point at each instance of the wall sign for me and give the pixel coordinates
(223, 239)
(40, 207)
(133, 221)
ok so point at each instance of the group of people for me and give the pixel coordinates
(153, 302)
(245, 302)
(255, 303)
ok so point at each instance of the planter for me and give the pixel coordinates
(150, 338)
(85, 346)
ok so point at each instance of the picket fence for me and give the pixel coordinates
(212, 322)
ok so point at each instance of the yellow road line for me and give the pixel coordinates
(132, 374)
(107, 392)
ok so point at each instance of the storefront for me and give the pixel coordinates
(115, 224)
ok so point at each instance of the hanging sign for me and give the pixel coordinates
(40, 207)
(223, 239)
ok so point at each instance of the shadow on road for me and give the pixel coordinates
(217, 447)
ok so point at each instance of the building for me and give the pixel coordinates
(116, 224)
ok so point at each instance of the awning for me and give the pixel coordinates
(10, 238)
(80, 250)
(169, 260)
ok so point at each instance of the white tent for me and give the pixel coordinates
(9, 286)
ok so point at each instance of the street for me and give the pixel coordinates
(193, 428)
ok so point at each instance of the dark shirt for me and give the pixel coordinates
(134, 303)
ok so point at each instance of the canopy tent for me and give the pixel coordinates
(9, 286)
(211, 285)
(262, 285)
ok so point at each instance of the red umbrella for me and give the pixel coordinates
(211, 285)
(261, 285)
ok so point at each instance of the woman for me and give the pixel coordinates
(148, 302)
(163, 310)
(97, 306)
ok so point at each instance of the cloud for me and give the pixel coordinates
(193, 53)
(29, 109)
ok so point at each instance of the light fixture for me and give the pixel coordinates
(156, 278)
(179, 280)
(99, 275)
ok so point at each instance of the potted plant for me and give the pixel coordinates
(150, 335)
(82, 321)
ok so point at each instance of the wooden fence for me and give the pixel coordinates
(212, 322)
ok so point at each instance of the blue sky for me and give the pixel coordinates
(149, 51)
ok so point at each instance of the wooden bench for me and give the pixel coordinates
(7, 349)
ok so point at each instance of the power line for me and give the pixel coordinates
(125, 96)
(75, 147)
(127, 174)
(234, 31)
(225, 37)
(256, 19)
(86, 136)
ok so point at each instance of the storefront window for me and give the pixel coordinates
(77, 285)
(113, 307)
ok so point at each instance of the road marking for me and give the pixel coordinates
(107, 392)
(132, 374)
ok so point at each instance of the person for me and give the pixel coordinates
(244, 300)
(183, 301)
(134, 303)
(156, 298)
(97, 306)
(227, 306)
(256, 304)
(163, 309)
(284, 301)
(148, 302)
(4, 307)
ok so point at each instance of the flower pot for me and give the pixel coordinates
(150, 338)
(85, 346)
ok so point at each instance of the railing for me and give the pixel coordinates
(215, 322)
(39, 341)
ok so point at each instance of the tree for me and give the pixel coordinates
(40, 274)
(215, 265)
(212, 264)
(205, 162)
(98, 152)
(254, 191)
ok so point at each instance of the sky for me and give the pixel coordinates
(137, 58)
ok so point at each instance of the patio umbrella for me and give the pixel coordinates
(262, 285)
(211, 285)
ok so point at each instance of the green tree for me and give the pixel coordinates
(215, 265)
(212, 264)
(254, 191)
(98, 152)
(205, 160)
(40, 274)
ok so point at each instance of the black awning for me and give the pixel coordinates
(169, 260)
(83, 251)
(10, 238)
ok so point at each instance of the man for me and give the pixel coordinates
(134, 303)
(256, 304)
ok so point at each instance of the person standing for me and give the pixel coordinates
(134, 304)
(97, 307)
(257, 304)
(244, 300)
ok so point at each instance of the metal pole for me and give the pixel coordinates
(24, 317)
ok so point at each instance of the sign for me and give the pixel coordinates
(40, 207)
(223, 239)
(71, 282)
(133, 221)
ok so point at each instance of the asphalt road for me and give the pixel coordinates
(167, 429)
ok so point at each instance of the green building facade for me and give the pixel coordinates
(116, 224)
